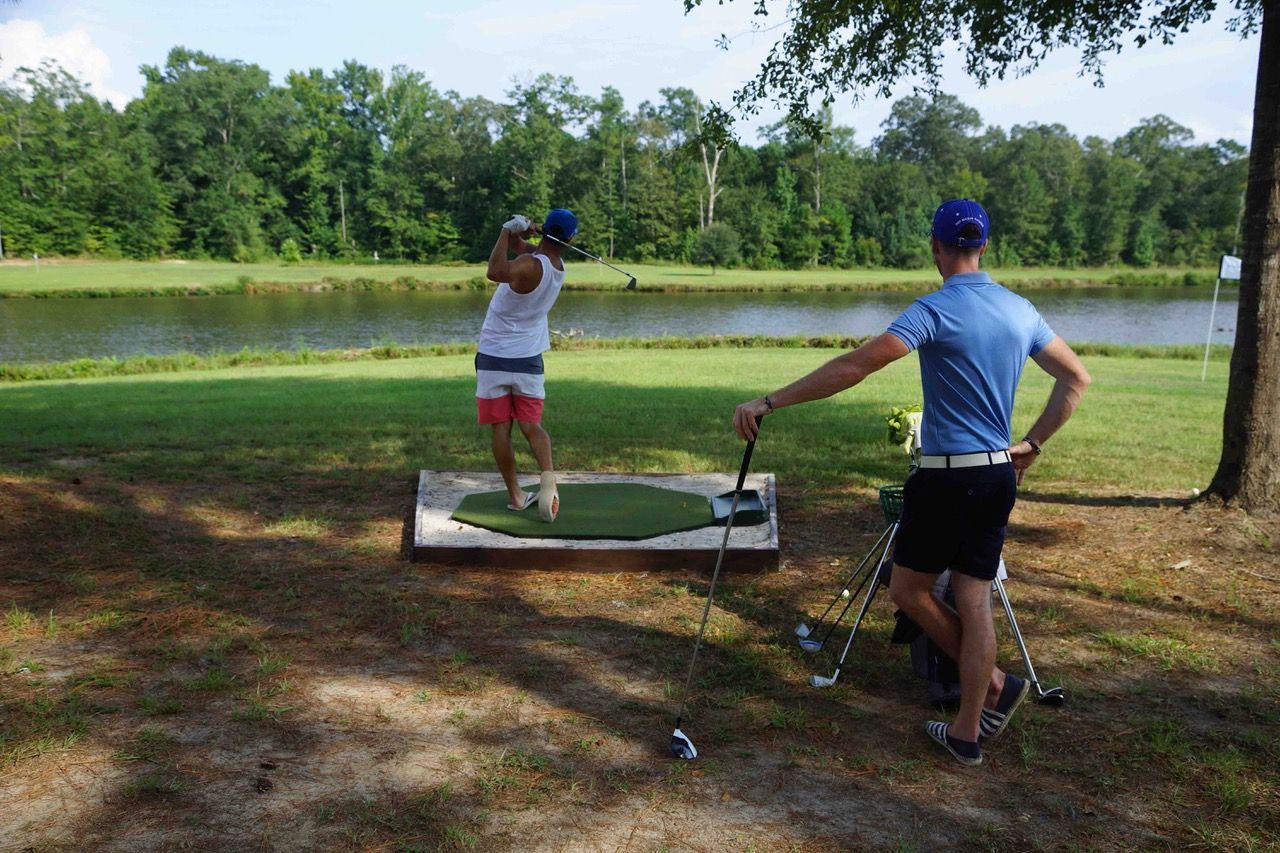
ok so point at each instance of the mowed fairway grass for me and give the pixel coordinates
(210, 638)
(102, 278)
(1150, 424)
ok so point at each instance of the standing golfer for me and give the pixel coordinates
(509, 373)
(973, 338)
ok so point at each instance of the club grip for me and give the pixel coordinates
(746, 457)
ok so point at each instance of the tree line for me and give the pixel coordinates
(213, 160)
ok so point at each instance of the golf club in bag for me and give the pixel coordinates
(681, 746)
(631, 280)
(891, 504)
(806, 634)
(874, 574)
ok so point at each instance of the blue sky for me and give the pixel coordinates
(1205, 81)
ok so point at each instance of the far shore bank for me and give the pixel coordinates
(75, 278)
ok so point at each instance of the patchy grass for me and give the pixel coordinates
(207, 629)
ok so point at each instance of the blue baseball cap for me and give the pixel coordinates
(952, 215)
(561, 224)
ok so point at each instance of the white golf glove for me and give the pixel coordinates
(517, 224)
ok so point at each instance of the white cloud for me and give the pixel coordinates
(24, 43)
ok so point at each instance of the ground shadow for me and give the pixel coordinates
(1102, 500)
(191, 546)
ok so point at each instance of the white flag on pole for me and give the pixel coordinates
(1229, 268)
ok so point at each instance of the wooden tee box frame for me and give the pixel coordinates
(438, 538)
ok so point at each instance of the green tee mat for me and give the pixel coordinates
(594, 511)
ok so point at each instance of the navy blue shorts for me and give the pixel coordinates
(955, 519)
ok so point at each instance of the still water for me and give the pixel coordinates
(60, 329)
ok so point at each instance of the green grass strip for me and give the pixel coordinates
(89, 368)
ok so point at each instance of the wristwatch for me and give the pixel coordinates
(1031, 441)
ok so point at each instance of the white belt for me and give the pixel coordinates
(965, 460)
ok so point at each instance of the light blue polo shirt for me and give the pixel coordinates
(974, 338)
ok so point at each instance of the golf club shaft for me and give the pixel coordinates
(706, 610)
(868, 575)
(711, 591)
(1017, 635)
(853, 577)
(588, 254)
(866, 604)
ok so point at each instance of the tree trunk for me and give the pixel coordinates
(1248, 473)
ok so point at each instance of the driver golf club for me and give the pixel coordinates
(681, 746)
(631, 280)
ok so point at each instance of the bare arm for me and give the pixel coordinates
(1070, 381)
(836, 375)
(521, 272)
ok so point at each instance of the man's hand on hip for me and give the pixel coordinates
(1022, 455)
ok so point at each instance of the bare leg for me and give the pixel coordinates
(977, 651)
(505, 455)
(539, 443)
(913, 592)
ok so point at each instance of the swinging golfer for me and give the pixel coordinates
(509, 370)
(973, 338)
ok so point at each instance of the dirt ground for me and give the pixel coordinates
(216, 667)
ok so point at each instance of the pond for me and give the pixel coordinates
(61, 329)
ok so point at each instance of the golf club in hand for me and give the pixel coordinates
(631, 280)
(681, 745)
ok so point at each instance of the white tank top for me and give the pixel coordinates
(515, 326)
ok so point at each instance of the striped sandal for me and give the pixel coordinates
(966, 752)
(995, 720)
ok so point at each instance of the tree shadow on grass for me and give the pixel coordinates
(241, 599)
(1101, 500)
(227, 536)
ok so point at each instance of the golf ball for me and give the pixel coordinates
(1195, 493)
(844, 593)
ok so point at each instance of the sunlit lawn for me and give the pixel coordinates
(208, 630)
(1147, 424)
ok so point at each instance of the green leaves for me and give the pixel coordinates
(903, 423)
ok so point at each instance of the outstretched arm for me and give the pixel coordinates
(836, 375)
(1070, 381)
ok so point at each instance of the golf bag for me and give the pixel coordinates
(930, 662)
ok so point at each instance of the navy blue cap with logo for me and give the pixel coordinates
(561, 224)
(951, 216)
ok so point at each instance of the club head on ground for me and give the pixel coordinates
(821, 681)
(682, 747)
(1054, 697)
(802, 630)
(631, 283)
(810, 645)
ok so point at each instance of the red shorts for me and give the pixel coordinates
(509, 388)
(499, 410)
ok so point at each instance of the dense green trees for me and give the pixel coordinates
(213, 160)
(1162, 200)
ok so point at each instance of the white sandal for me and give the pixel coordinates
(529, 498)
(548, 497)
